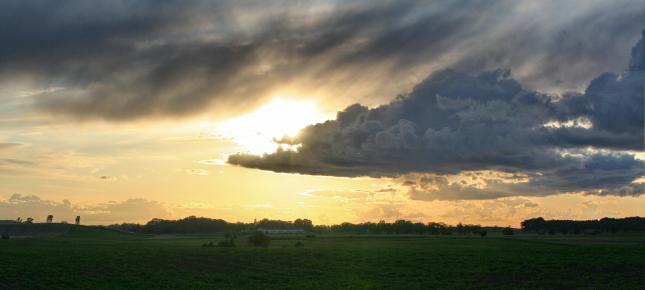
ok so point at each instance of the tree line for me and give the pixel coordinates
(402, 227)
(202, 225)
(604, 225)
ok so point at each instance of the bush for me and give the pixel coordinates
(5, 236)
(507, 231)
(226, 243)
(482, 233)
(208, 245)
(259, 239)
(299, 244)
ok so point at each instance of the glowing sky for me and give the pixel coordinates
(484, 112)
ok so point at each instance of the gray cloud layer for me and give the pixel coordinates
(455, 122)
(122, 60)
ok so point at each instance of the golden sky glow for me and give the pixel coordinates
(281, 116)
(181, 166)
(422, 113)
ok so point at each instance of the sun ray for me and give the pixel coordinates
(256, 131)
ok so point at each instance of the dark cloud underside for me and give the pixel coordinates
(121, 60)
(456, 122)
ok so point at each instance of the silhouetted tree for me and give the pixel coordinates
(438, 228)
(259, 239)
(304, 224)
(507, 231)
(50, 219)
(29, 220)
(127, 227)
(460, 229)
(274, 224)
(78, 220)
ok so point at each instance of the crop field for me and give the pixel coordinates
(88, 258)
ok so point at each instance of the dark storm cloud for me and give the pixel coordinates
(456, 122)
(121, 60)
(117, 59)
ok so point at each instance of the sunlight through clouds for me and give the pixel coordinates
(425, 110)
(283, 116)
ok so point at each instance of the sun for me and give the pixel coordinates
(281, 116)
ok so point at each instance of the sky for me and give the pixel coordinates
(480, 112)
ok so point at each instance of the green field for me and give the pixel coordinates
(90, 258)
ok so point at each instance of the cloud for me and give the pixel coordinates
(124, 60)
(530, 204)
(340, 195)
(131, 210)
(12, 166)
(4, 146)
(455, 122)
(600, 174)
(493, 211)
(202, 172)
(388, 212)
(10, 161)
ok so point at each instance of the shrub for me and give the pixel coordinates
(299, 244)
(259, 239)
(5, 236)
(226, 243)
(208, 245)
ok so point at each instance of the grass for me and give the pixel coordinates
(85, 259)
